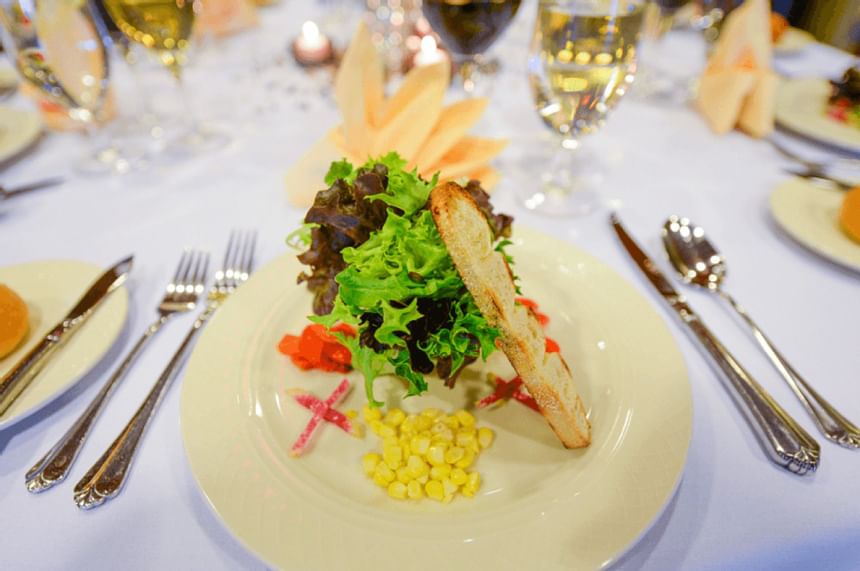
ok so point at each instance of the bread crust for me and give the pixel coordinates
(467, 235)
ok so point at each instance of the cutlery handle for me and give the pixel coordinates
(54, 466)
(834, 426)
(106, 477)
(22, 374)
(783, 439)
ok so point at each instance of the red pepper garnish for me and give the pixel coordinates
(531, 304)
(316, 348)
(506, 390)
(323, 411)
(552, 346)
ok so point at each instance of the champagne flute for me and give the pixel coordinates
(582, 61)
(58, 48)
(468, 28)
(164, 27)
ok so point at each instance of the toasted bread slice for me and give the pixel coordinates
(466, 233)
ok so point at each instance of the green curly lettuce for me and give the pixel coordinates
(401, 266)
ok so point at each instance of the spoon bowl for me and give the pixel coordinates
(692, 255)
(698, 262)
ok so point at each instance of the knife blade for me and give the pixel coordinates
(781, 437)
(22, 374)
(38, 185)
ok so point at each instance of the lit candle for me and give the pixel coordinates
(429, 53)
(312, 47)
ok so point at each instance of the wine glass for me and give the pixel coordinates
(468, 28)
(657, 77)
(164, 28)
(58, 48)
(582, 61)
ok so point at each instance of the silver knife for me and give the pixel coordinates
(784, 441)
(22, 374)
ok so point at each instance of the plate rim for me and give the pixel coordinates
(787, 123)
(29, 137)
(787, 227)
(99, 355)
(674, 357)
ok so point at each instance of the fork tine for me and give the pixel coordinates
(200, 281)
(248, 261)
(229, 256)
(181, 267)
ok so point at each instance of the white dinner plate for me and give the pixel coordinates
(50, 289)
(792, 41)
(540, 505)
(809, 213)
(19, 128)
(801, 106)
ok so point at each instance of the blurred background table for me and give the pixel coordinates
(734, 509)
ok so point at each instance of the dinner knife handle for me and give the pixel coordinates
(106, 477)
(785, 442)
(22, 374)
(830, 421)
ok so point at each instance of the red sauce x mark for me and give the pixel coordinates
(323, 411)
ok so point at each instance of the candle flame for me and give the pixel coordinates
(310, 31)
(428, 44)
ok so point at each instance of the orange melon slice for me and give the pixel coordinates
(13, 320)
(849, 214)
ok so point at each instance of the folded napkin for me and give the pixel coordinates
(738, 86)
(224, 17)
(414, 122)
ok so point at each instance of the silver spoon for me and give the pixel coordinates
(699, 263)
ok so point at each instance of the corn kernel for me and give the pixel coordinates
(395, 417)
(466, 460)
(423, 423)
(454, 454)
(474, 447)
(447, 499)
(370, 413)
(434, 489)
(351, 414)
(440, 472)
(419, 444)
(423, 478)
(390, 442)
(467, 491)
(383, 471)
(380, 481)
(375, 425)
(407, 427)
(403, 475)
(485, 437)
(414, 490)
(473, 479)
(431, 413)
(465, 418)
(458, 476)
(385, 430)
(416, 466)
(451, 422)
(369, 462)
(397, 490)
(464, 439)
(436, 453)
(449, 487)
(393, 456)
(444, 435)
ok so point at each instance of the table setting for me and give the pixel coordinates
(318, 284)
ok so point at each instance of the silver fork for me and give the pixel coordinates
(815, 171)
(108, 475)
(182, 294)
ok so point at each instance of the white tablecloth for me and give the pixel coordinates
(734, 508)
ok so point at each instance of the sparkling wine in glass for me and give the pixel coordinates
(468, 28)
(581, 63)
(164, 28)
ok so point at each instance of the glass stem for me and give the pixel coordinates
(191, 120)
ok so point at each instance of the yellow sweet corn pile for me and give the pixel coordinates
(426, 454)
